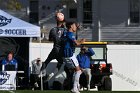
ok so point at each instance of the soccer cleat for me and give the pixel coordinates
(33, 89)
(50, 76)
(36, 85)
(74, 91)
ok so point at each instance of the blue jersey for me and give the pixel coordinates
(69, 44)
(12, 62)
(84, 59)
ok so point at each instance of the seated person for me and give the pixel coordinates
(84, 62)
(9, 63)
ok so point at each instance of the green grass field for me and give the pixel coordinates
(57, 91)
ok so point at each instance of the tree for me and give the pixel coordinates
(14, 5)
(10, 4)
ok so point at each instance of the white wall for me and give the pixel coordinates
(126, 67)
(39, 50)
(124, 58)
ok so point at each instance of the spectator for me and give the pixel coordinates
(84, 62)
(69, 48)
(55, 36)
(9, 63)
(36, 66)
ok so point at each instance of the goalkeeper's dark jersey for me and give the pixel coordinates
(55, 35)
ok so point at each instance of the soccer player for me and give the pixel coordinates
(69, 57)
(55, 36)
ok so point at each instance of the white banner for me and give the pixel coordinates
(11, 26)
(8, 80)
(19, 32)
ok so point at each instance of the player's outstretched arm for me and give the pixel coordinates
(79, 42)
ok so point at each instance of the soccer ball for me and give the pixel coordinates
(60, 16)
